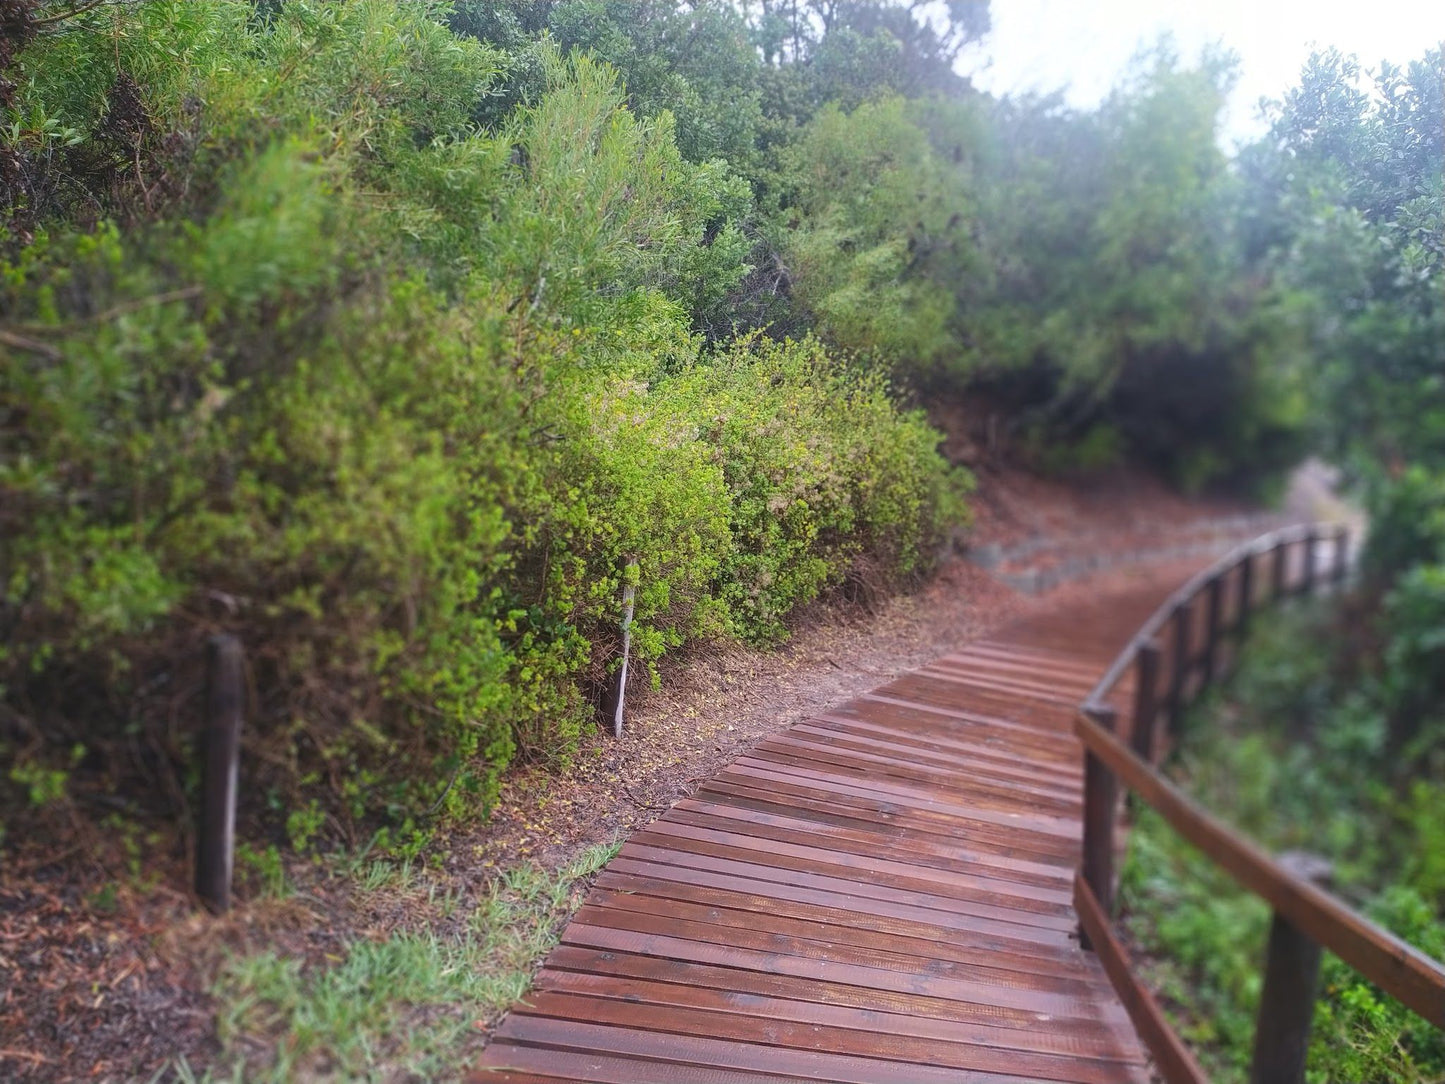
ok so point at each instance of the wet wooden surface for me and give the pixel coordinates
(883, 893)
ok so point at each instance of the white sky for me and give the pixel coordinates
(1082, 46)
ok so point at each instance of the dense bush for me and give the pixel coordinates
(300, 352)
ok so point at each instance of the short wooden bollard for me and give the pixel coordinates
(1101, 802)
(1146, 698)
(220, 771)
(614, 702)
(1291, 982)
(1279, 571)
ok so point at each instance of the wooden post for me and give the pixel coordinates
(1179, 679)
(1214, 606)
(1341, 570)
(1245, 599)
(1146, 698)
(1279, 570)
(1101, 799)
(1309, 580)
(1291, 981)
(614, 701)
(220, 770)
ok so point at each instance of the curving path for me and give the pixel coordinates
(879, 894)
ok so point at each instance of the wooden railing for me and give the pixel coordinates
(1184, 646)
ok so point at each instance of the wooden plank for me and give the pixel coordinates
(839, 925)
(803, 754)
(872, 1043)
(964, 884)
(1398, 968)
(716, 1053)
(1082, 1007)
(917, 799)
(1000, 770)
(838, 941)
(883, 893)
(1062, 773)
(1019, 728)
(511, 1062)
(1091, 1045)
(940, 855)
(829, 808)
(611, 968)
(756, 790)
(785, 873)
(915, 910)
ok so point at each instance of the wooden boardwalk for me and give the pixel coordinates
(879, 894)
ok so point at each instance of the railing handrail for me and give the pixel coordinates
(1395, 966)
(1185, 594)
(1302, 908)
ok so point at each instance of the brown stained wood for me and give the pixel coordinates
(981, 834)
(952, 717)
(879, 871)
(1100, 810)
(1048, 969)
(752, 1057)
(614, 970)
(942, 765)
(1390, 963)
(701, 936)
(1031, 722)
(1024, 682)
(1061, 774)
(979, 996)
(874, 1042)
(1173, 1059)
(512, 1062)
(918, 852)
(915, 893)
(903, 765)
(880, 894)
(1146, 699)
(843, 1013)
(781, 896)
(1005, 794)
(961, 941)
(1291, 985)
(998, 688)
(918, 803)
(822, 811)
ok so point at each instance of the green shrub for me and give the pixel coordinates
(395, 400)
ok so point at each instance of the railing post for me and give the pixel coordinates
(1213, 608)
(1309, 579)
(1101, 794)
(1341, 571)
(1146, 698)
(1179, 678)
(1279, 570)
(1245, 598)
(220, 771)
(1291, 980)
